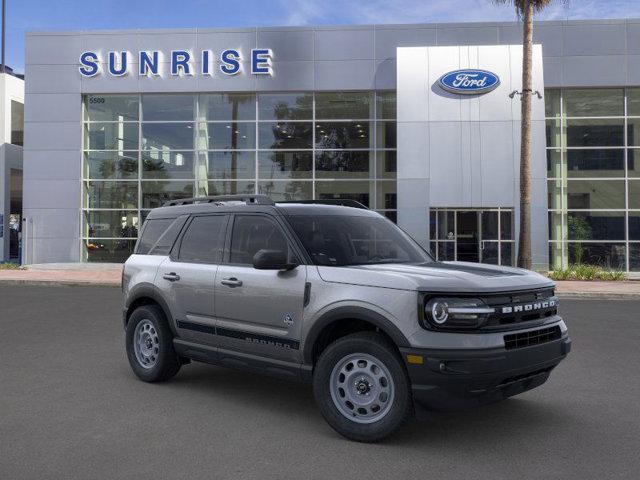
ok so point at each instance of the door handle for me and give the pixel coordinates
(172, 277)
(231, 282)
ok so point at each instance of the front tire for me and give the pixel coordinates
(149, 344)
(362, 387)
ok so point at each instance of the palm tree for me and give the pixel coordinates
(525, 10)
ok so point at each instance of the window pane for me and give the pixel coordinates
(111, 136)
(342, 135)
(284, 165)
(229, 187)
(231, 165)
(387, 195)
(386, 107)
(151, 232)
(506, 228)
(227, 136)
(156, 193)
(227, 106)
(289, 135)
(596, 226)
(252, 233)
(554, 133)
(343, 164)
(203, 240)
(111, 165)
(386, 135)
(104, 224)
(554, 163)
(633, 132)
(490, 226)
(633, 101)
(17, 123)
(556, 231)
(634, 225)
(507, 253)
(391, 215)
(167, 136)
(122, 195)
(387, 163)
(595, 163)
(634, 194)
(611, 256)
(108, 251)
(633, 162)
(554, 191)
(552, 103)
(359, 191)
(112, 108)
(634, 257)
(168, 107)
(446, 251)
(490, 252)
(167, 164)
(446, 225)
(335, 105)
(283, 190)
(595, 133)
(598, 102)
(285, 106)
(595, 194)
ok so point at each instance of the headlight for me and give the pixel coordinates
(456, 312)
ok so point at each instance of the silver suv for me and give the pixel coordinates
(336, 295)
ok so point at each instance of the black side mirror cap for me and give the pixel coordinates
(272, 260)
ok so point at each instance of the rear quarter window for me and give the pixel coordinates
(159, 235)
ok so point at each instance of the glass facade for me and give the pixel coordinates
(143, 150)
(593, 150)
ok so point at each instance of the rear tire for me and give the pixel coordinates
(149, 344)
(362, 388)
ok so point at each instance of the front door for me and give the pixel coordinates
(259, 311)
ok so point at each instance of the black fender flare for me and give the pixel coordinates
(147, 290)
(351, 312)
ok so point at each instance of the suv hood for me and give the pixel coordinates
(437, 277)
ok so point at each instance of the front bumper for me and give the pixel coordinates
(451, 379)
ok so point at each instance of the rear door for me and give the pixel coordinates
(187, 277)
(259, 311)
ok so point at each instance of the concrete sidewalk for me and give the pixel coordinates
(109, 274)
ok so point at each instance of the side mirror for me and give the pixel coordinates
(272, 260)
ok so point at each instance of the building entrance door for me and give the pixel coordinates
(468, 236)
(472, 235)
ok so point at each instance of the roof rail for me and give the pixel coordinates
(248, 199)
(342, 202)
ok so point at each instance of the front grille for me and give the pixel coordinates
(533, 337)
(520, 299)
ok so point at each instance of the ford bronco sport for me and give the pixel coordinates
(339, 296)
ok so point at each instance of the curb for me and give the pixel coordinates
(598, 296)
(56, 283)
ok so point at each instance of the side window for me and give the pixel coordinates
(168, 238)
(204, 240)
(252, 233)
(153, 229)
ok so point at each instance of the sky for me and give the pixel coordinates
(33, 15)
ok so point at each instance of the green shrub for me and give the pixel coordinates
(586, 272)
(9, 266)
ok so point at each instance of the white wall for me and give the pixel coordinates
(464, 151)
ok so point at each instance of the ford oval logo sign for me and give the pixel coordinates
(469, 81)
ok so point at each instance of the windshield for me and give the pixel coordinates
(340, 240)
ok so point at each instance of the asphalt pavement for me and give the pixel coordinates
(70, 408)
